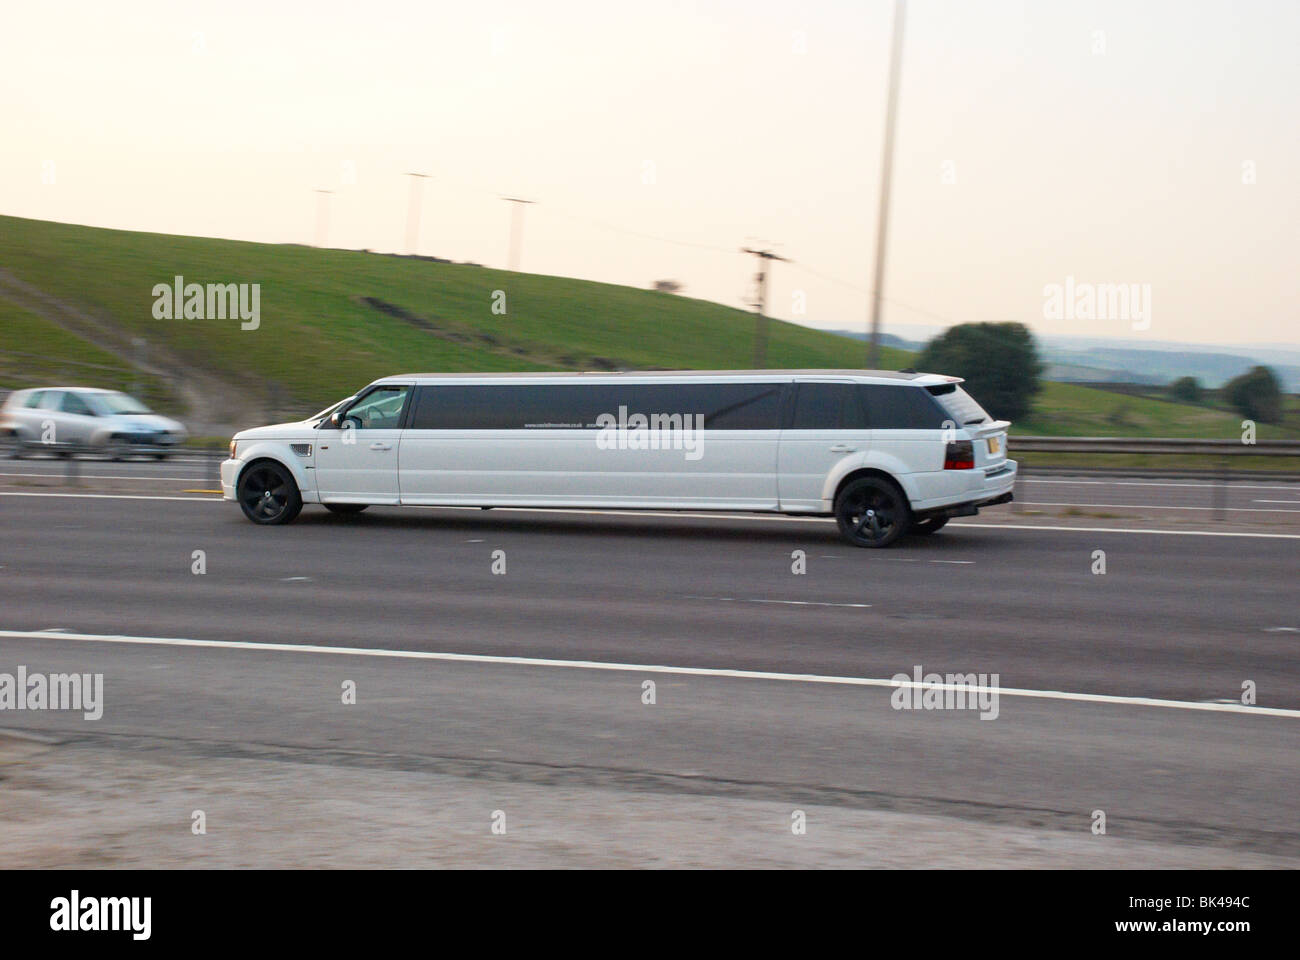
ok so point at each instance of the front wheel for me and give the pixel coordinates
(928, 526)
(871, 512)
(345, 509)
(267, 493)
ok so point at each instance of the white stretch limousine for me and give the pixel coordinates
(884, 453)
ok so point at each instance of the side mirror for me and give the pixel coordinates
(336, 419)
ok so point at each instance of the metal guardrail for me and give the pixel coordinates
(1156, 445)
(1218, 452)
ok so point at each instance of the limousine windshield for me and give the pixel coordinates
(883, 453)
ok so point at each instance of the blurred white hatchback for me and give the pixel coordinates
(85, 419)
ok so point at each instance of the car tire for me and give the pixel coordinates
(871, 512)
(268, 494)
(345, 509)
(928, 526)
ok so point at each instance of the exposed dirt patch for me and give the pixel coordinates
(482, 340)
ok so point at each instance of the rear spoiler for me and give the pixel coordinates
(981, 430)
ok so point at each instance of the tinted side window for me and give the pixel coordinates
(828, 406)
(732, 406)
(503, 407)
(725, 406)
(892, 407)
(34, 400)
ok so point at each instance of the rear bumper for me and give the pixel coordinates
(992, 489)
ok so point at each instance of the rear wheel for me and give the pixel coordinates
(871, 512)
(267, 493)
(346, 509)
(929, 526)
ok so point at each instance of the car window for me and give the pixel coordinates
(891, 407)
(964, 409)
(379, 410)
(828, 406)
(723, 406)
(51, 400)
(120, 404)
(34, 399)
(72, 403)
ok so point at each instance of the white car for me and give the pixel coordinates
(884, 453)
(85, 419)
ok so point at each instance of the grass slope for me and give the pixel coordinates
(332, 320)
(323, 335)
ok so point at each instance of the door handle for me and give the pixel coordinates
(381, 446)
(842, 448)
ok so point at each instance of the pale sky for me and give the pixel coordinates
(1104, 141)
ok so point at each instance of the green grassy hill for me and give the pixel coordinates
(75, 302)
(332, 320)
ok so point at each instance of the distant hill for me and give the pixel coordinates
(1159, 366)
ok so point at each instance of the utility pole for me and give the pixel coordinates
(760, 304)
(886, 168)
(413, 212)
(322, 215)
(516, 229)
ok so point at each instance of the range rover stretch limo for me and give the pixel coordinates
(884, 453)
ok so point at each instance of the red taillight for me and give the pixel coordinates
(959, 455)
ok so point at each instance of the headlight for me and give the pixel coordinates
(233, 445)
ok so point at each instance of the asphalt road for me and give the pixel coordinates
(1179, 618)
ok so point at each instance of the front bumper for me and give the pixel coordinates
(229, 475)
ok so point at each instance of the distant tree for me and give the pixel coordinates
(1256, 395)
(668, 286)
(998, 360)
(1186, 389)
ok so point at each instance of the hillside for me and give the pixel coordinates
(76, 304)
(331, 320)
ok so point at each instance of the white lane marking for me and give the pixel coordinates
(1172, 533)
(1282, 629)
(101, 476)
(732, 516)
(795, 603)
(111, 496)
(1147, 483)
(1165, 506)
(1162, 506)
(301, 648)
